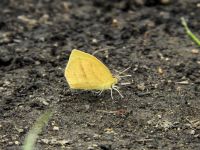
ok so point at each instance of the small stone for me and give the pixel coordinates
(6, 83)
(46, 141)
(64, 142)
(195, 51)
(53, 141)
(25, 19)
(155, 86)
(92, 147)
(115, 23)
(94, 41)
(44, 19)
(87, 107)
(16, 142)
(43, 101)
(183, 82)
(10, 143)
(37, 62)
(198, 4)
(141, 87)
(140, 2)
(160, 70)
(150, 122)
(166, 58)
(55, 128)
(178, 88)
(165, 2)
(166, 124)
(192, 132)
(96, 136)
(20, 130)
(66, 6)
(109, 130)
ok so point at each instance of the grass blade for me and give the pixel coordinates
(32, 135)
(188, 31)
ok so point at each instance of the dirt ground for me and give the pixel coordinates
(161, 107)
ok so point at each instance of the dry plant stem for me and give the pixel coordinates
(188, 31)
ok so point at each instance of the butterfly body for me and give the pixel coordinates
(86, 72)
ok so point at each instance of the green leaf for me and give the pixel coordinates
(32, 135)
(190, 34)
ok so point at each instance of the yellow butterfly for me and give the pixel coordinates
(86, 72)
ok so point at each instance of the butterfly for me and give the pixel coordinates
(86, 72)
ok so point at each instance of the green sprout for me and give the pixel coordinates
(188, 31)
(32, 135)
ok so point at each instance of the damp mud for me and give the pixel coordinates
(161, 105)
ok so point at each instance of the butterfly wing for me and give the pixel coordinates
(85, 71)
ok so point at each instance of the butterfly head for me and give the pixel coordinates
(115, 80)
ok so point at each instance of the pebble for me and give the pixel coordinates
(166, 124)
(92, 147)
(10, 143)
(55, 128)
(141, 87)
(17, 143)
(183, 82)
(46, 141)
(64, 142)
(94, 41)
(43, 101)
(87, 107)
(140, 2)
(55, 141)
(96, 136)
(27, 20)
(195, 51)
(20, 130)
(115, 23)
(160, 70)
(165, 2)
(109, 130)
(192, 132)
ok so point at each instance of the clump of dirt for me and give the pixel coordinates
(161, 105)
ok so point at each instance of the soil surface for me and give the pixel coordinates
(161, 105)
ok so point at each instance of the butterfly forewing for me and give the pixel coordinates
(85, 71)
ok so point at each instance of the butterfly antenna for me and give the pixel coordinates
(103, 49)
(124, 70)
(116, 89)
(128, 75)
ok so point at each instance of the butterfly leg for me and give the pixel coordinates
(100, 92)
(111, 92)
(116, 89)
